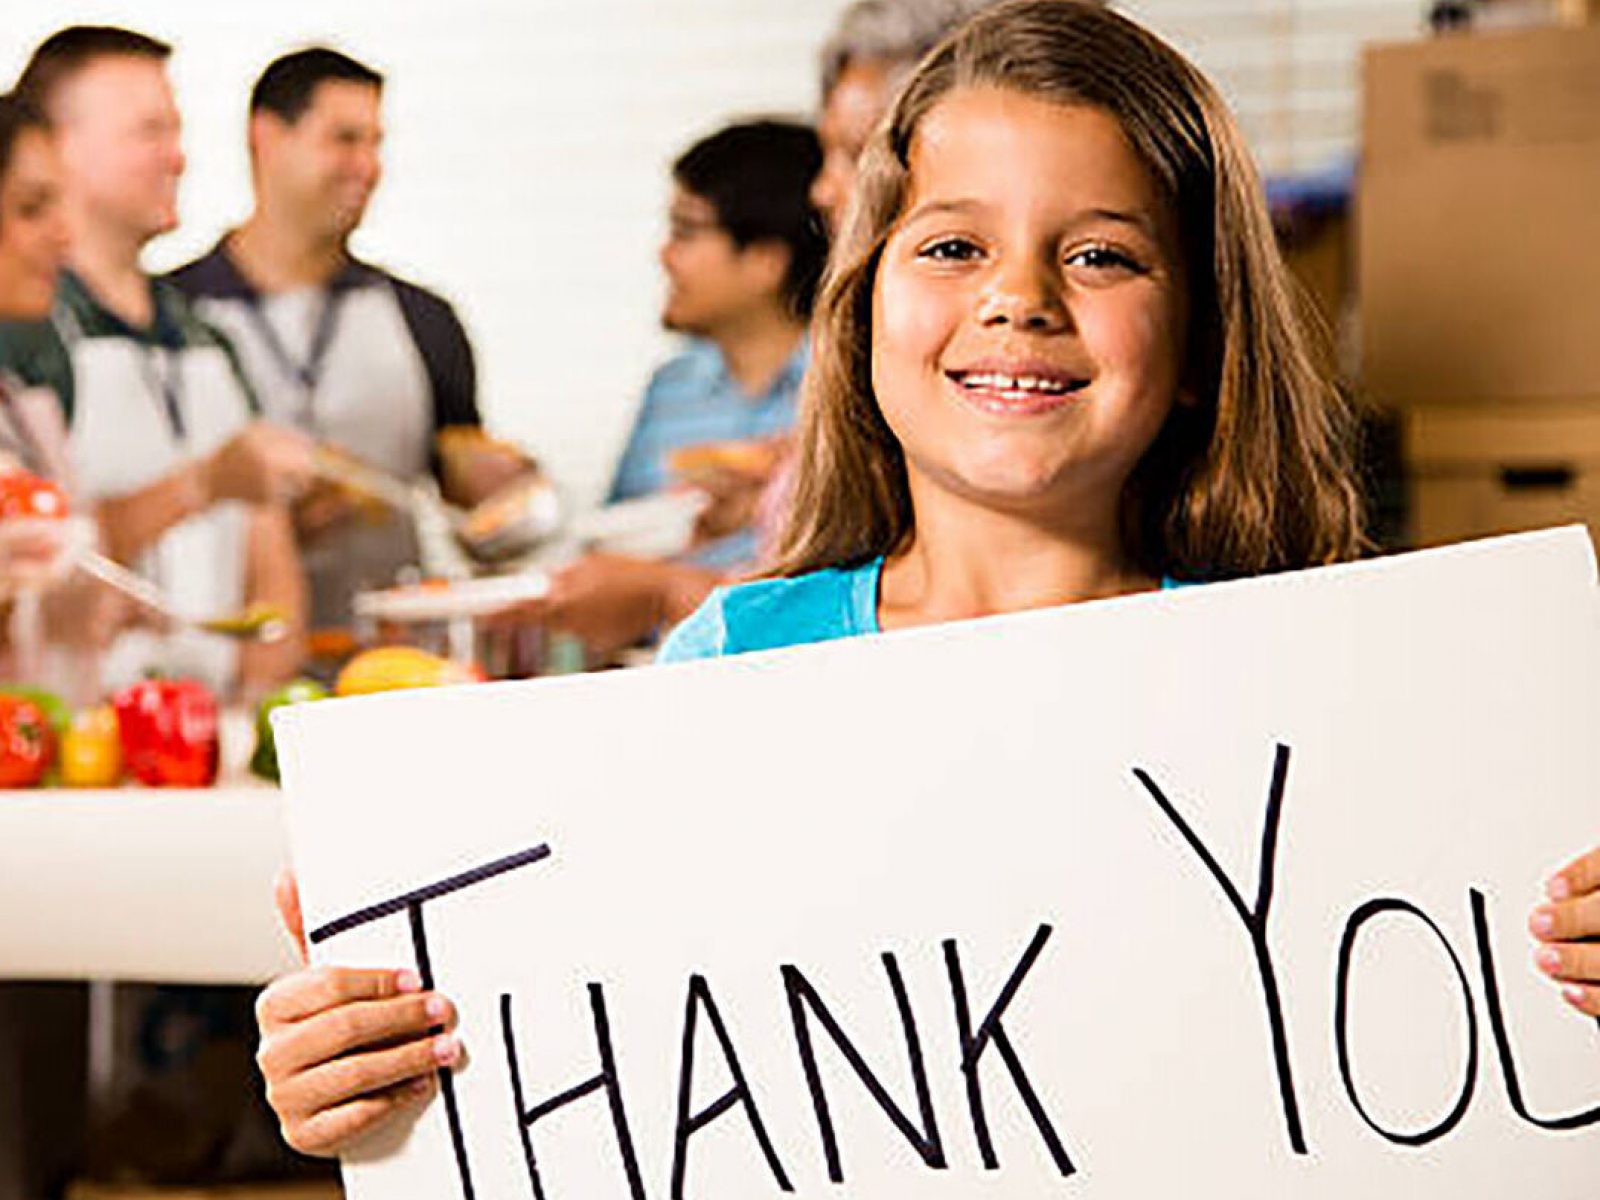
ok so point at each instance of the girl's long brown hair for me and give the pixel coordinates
(1256, 475)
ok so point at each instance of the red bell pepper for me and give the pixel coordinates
(27, 742)
(169, 732)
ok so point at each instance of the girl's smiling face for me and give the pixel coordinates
(1029, 308)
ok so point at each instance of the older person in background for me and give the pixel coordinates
(869, 54)
(613, 601)
(188, 485)
(336, 347)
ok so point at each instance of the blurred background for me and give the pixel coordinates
(527, 148)
(526, 155)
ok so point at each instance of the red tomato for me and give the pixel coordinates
(26, 495)
(27, 742)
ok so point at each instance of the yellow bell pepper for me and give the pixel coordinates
(91, 749)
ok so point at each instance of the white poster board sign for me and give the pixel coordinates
(1219, 893)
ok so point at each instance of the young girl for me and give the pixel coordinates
(1057, 359)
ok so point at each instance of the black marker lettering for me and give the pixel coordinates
(1502, 1039)
(925, 1141)
(606, 1080)
(991, 1032)
(1255, 923)
(687, 1126)
(1341, 1014)
(411, 903)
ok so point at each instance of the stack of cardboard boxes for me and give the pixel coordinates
(1479, 274)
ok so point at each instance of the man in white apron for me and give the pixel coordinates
(336, 347)
(190, 488)
(163, 436)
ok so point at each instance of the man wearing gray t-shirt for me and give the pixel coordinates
(345, 351)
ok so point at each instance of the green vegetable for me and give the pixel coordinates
(264, 762)
(53, 706)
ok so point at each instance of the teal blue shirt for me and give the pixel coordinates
(770, 613)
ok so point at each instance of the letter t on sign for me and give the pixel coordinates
(411, 903)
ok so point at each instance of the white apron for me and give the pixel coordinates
(124, 438)
(368, 393)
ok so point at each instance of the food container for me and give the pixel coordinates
(512, 522)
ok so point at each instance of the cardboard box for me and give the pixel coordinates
(1476, 471)
(1479, 218)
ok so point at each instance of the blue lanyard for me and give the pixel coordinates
(167, 387)
(308, 373)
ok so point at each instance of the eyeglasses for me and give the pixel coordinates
(685, 229)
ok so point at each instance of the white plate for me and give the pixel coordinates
(459, 598)
(656, 526)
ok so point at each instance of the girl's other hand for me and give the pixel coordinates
(1568, 926)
